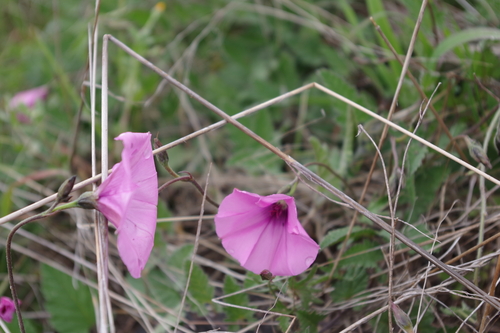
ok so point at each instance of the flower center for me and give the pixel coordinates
(279, 212)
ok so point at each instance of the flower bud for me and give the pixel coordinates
(163, 156)
(65, 189)
(477, 153)
(267, 275)
(401, 318)
(87, 200)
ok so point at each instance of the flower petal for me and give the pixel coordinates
(7, 309)
(29, 97)
(128, 198)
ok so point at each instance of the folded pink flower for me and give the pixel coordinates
(128, 198)
(264, 233)
(29, 97)
(7, 309)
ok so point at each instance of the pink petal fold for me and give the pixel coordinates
(129, 198)
(265, 233)
(7, 309)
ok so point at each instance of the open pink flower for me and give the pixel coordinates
(7, 309)
(263, 233)
(29, 97)
(129, 198)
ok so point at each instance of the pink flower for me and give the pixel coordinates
(29, 97)
(128, 198)
(263, 233)
(7, 309)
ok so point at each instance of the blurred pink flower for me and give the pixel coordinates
(129, 198)
(29, 97)
(263, 233)
(7, 309)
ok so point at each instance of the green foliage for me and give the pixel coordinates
(199, 286)
(241, 299)
(427, 182)
(414, 158)
(463, 37)
(68, 302)
(363, 255)
(350, 285)
(29, 326)
(163, 290)
(176, 261)
(309, 320)
(337, 235)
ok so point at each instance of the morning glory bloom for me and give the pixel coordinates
(263, 233)
(29, 97)
(7, 309)
(128, 198)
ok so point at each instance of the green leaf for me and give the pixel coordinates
(465, 36)
(284, 323)
(350, 285)
(378, 12)
(427, 183)
(340, 85)
(415, 156)
(180, 256)
(347, 144)
(235, 314)
(337, 235)
(163, 289)
(368, 256)
(29, 326)
(309, 320)
(199, 287)
(71, 310)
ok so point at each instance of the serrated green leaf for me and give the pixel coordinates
(252, 280)
(199, 286)
(180, 256)
(162, 289)
(284, 323)
(71, 310)
(235, 314)
(350, 285)
(415, 156)
(309, 320)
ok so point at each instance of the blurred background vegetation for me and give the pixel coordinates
(237, 54)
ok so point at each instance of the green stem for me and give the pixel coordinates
(8, 249)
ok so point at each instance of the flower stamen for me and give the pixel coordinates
(279, 212)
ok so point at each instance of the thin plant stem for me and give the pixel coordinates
(195, 249)
(101, 224)
(189, 178)
(393, 225)
(8, 250)
(172, 181)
